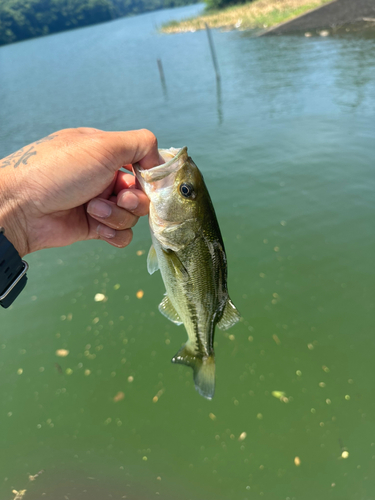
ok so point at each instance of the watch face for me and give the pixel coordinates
(12, 272)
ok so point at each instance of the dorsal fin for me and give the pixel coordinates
(167, 309)
(230, 316)
(152, 260)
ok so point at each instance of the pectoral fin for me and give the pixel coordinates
(152, 260)
(178, 267)
(203, 368)
(167, 309)
(230, 316)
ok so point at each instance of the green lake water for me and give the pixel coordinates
(287, 147)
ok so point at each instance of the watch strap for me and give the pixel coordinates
(12, 272)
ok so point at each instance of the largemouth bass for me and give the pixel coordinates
(188, 249)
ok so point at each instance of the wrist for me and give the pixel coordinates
(13, 221)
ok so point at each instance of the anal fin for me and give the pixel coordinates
(230, 316)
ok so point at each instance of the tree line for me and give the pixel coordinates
(22, 19)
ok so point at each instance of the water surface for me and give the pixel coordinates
(286, 145)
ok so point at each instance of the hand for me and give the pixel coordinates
(67, 187)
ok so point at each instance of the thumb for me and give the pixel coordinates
(131, 147)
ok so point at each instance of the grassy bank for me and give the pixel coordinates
(257, 14)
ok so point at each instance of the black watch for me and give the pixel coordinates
(12, 272)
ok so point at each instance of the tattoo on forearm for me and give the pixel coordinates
(45, 139)
(18, 157)
(22, 155)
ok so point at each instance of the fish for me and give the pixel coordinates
(188, 249)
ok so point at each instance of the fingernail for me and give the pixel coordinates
(128, 200)
(105, 231)
(99, 209)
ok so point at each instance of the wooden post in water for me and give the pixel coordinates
(162, 78)
(213, 53)
(161, 71)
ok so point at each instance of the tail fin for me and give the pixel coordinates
(203, 368)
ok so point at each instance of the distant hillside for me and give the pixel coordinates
(21, 19)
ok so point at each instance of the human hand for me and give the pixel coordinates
(67, 187)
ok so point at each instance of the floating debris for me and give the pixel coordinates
(32, 478)
(20, 371)
(130, 379)
(117, 286)
(18, 494)
(345, 454)
(68, 371)
(100, 297)
(119, 397)
(297, 461)
(242, 436)
(212, 416)
(324, 33)
(278, 394)
(58, 368)
(62, 353)
(140, 252)
(155, 399)
(140, 294)
(87, 372)
(276, 339)
(322, 384)
(308, 34)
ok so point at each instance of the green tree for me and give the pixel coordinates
(21, 19)
(220, 4)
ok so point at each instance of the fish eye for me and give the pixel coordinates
(186, 190)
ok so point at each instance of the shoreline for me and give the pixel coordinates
(259, 14)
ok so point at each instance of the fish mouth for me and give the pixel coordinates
(174, 157)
